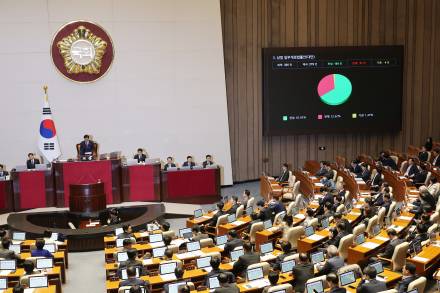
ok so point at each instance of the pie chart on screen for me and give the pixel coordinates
(334, 89)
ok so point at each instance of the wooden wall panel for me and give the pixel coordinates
(250, 25)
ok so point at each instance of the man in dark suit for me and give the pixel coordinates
(234, 206)
(365, 174)
(219, 213)
(302, 272)
(355, 168)
(409, 275)
(423, 155)
(248, 258)
(340, 233)
(131, 262)
(412, 169)
(338, 219)
(133, 280)
(169, 164)
(86, 146)
(32, 161)
(394, 241)
(377, 178)
(387, 160)
(286, 247)
(333, 284)
(208, 161)
(225, 285)
(369, 284)
(322, 170)
(436, 157)
(128, 232)
(199, 233)
(215, 265)
(233, 242)
(140, 156)
(5, 252)
(263, 212)
(333, 263)
(189, 163)
(284, 176)
(3, 172)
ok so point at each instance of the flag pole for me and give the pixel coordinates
(45, 87)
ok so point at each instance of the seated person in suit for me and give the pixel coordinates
(412, 169)
(18, 289)
(263, 212)
(368, 210)
(419, 235)
(5, 252)
(3, 172)
(86, 146)
(215, 264)
(387, 161)
(208, 161)
(169, 163)
(128, 232)
(328, 197)
(29, 268)
(333, 263)
(323, 170)
(436, 157)
(423, 154)
(32, 161)
(140, 156)
(394, 241)
(199, 233)
(328, 181)
(284, 176)
(138, 289)
(233, 241)
(255, 219)
(133, 280)
(273, 280)
(276, 206)
(302, 272)
(377, 178)
(337, 217)
(132, 254)
(386, 202)
(337, 234)
(167, 240)
(178, 272)
(333, 284)
(235, 205)
(355, 168)
(425, 220)
(189, 162)
(286, 247)
(369, 284)
(126, 245)
(225, 285)
(420, 177)
(168, 255)
(248, 258)
(409, 275)
(219, 213)
(165, 226)
(365, 174)
(40, 251)
(245, 198)
(328, 210)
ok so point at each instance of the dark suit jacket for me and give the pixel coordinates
(140, 158)
(8, 254)
(165, 167)
(302, 272)
(244, 261)
(206, 163)
(227, 288)
(402, 286)
(83, 148)
(423, 156)
(283, 176)
(389, 249)
(379, 200)
(389, 162)
(420, 177)
(186, 164)
(338, 290)
(357, 170)
(337, 239)
(231, 244)
(365, 175)
(233, 209)
(4, 173)
(436, 161)
(218, 272)
(31, 165)
(413, 171)
(377, 179)
(332, 265)
(215, 218)
(372, 286)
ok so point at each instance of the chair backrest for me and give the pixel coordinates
(395, 159)
(381, 216)
(295, 257)
(290, 208)
(399, 256)
(24, 280)
(320, 278)
(434, 217)
(251, 202)
(240, 211)
(359, 229)
(432, 228)
(353, 267)
(371, 223)
(295, 190)
(291, 179)
(223, 219)
(207, 242)
(428, 177)
(173, 247)
(339, 183)
(277, 220)
(293, 235)
(263, 264)
(213, 254)
(169, 233)
(391, 209)
(344, 244)
(299, 201)
(403, 167)
(287, 287)
(314, 222)
(340, 208)
(335, 175)
(256, 227)
(71, 226)
(418, 283)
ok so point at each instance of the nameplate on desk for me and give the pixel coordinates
(370, 245)
(420, 259)
(168, 277)
(382, 238)
(315, 237)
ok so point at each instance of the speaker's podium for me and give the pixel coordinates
(87, 199)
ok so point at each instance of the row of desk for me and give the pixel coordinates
(45, 188)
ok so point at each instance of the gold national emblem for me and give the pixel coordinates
(82, 51)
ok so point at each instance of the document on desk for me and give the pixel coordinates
(147, 261)
(267, 257)
(157, 244)
(404, 218)
(319, 184)
(168, 277)
(370, 245)
(29, 290)
(258, 283)
(420, 259)
(381, 238)
(355, 213)
(315, 237)
(238, 223)
(5, 272)
(300, 216)
(144, 234)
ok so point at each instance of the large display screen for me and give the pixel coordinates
(332, 89)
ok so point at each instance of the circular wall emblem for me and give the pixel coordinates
(82, 51)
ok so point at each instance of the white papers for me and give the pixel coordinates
(421, 259)
(147, 261)
(369, 245)
(404, 218)
(319, 184)
(382, 238)
(238, 223)
(355, 213)
(168, 277)
(144, 234)
(402, 177)
(157, 244)
(315, 237)
(258, 283)
(191, 254)
(5, 272)
(313, 177)
(300, 216)
(267, 257)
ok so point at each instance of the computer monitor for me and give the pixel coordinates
(377, 266)
(159, 251)
(249, 210)
(50, 247)
(360, 239)
(232, 218)
(119, 231)
(324, 223)
(16, 248)
(267, 224)
(193, 246)
(124, 275)
(376, 229)
(152, 227)
(287, 266)
(213, 283)
(417, 246)
(220, 240)
(8, 264)
(266, 248)
(153, 238)
(167, 268)
(309, 230)
(315, 287)
(54, 236)
(203, 262)
(122, 256)
(184, 231)
(120, 242)
(254, 274)
(19, 236)
(317, 257)
(3, 283)
(347, 278)
(198, 213)
(44, 263)
(174, 287)
(235, 254)
(38, 281)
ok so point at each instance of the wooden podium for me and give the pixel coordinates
(87, 198)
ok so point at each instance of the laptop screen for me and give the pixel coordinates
(159, 251)
(44, 263)
(124, 275)
(266, 247)
(324, 223)
(8, 264)
(309, 230)
(235, 254)
(152, 227)
(153, 238)
(20, 236)
(174, 287)
(119, 231)
(347, 278)
(213, 283)
(15, 248)
(167, 268)
(231, 218)
(50, 247)
(38, 282)
(120, 242)
(287, 266)
(203, 262)
(198, 213)
(183, 231)
(192, 246)
(267, 224)
(3, 283)
(360, 239)
(377, 266)
(220, 240)
(317, 257)
(122, 256)
(255, 274)
(376, 229)
(315, 287)
(54, 236)
(417, 246)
